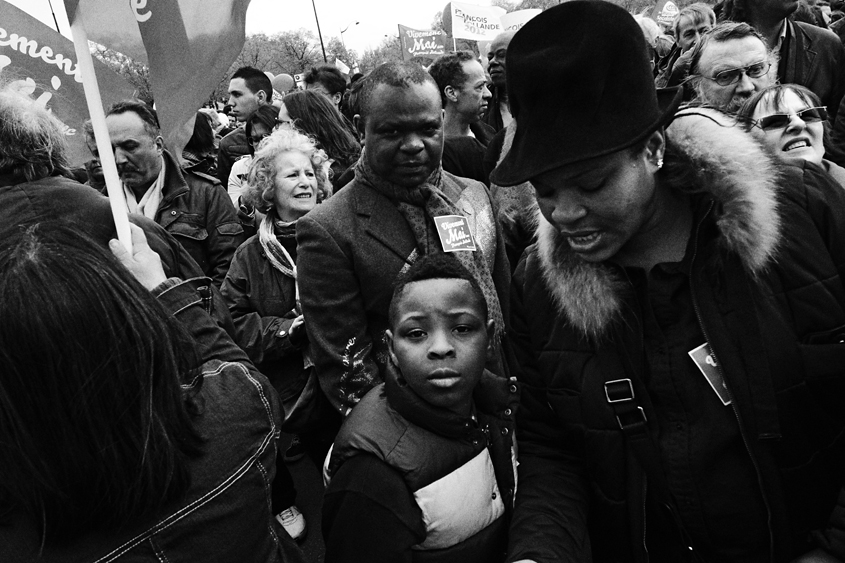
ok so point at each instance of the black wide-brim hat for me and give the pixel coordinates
(580, 85)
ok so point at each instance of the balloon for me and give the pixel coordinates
(269, 75)
(283, 83)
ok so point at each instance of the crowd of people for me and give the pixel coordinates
(582, 300)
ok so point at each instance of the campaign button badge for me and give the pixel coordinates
(454, 232)
(706, 362)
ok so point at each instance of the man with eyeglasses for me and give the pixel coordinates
(729, 64)
(806, 54)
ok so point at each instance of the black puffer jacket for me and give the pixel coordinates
(767, 289)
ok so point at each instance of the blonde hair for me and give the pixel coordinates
(261, 180)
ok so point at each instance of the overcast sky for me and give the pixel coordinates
(377, 17)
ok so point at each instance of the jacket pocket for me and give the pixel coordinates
(187, 229)
(823, 356)
(230, 229)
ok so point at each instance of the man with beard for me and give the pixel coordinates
(463, 90)
(352, 247)
(193, 207)
(729, 64)
(807, 55)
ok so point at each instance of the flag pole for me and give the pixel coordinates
(55, 21)
(101, 133)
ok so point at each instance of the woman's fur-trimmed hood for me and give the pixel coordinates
(724, 161)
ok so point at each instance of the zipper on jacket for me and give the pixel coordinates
(206, 297)
(728, 389)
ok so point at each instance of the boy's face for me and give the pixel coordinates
(440, 340)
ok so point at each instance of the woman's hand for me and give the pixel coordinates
(143, 262)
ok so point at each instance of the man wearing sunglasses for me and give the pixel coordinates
(729, 64)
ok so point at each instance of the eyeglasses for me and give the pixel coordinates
(781, 120)
(255, 142)
(733, 75)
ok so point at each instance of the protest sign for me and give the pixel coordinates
(469, 21)
(188, 45)
(665, 13)
(515, 20)
(421, 43)
(42, 64)
(341, 66)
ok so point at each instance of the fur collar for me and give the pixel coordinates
(723, 161)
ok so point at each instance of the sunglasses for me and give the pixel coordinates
(733, 75)
(781, 120)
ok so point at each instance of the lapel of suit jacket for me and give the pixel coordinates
(385, 223)
(800, 56)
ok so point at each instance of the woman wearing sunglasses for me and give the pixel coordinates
(791, 122)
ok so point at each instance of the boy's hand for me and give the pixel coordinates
(143, 262)
(296, 332)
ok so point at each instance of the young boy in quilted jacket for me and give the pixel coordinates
(422, 468)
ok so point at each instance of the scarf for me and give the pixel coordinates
(269, 232)
(148, 206)
(435, 198)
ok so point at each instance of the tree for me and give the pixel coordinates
(299, 50)
(437, 22)
(506, 5)
(137, 74)
(261, 52)
(336, 47)
(541, 4)
(390, 49)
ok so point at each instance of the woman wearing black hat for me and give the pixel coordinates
(678, 324)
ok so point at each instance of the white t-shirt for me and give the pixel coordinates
(237, 178)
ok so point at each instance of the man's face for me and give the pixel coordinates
(95, 168)
(602, 205)
(690, 31)
(136, 152)
(719, 56)
(496, 61)
(243, 101)
(403, 133)
(440, 341)
(473, 95)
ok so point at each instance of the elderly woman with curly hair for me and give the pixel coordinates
(287, 178)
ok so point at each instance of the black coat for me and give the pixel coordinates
(768, 293)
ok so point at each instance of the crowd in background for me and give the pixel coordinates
(578, 298)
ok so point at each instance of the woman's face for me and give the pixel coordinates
(295, 191)
(284, 117)
(795, 140)
(602, 206)
(259, 131)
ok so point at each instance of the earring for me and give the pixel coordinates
(660, 163)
